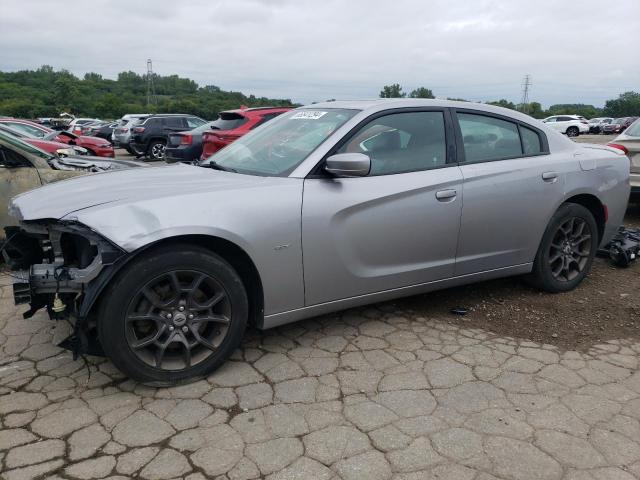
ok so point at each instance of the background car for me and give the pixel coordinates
(571, 125)
(95, 146)
(629, 143)
(24, 167)
(75, 125)
(122, 133)
(231, 124)
(102, 130)
(619, 125)
(48, 146)
(596, 124)
(370, 191)
(149, 138)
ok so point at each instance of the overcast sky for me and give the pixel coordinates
(583, 51)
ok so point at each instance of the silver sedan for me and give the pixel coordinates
(326, 207)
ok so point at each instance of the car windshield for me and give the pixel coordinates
(208, 126)
(279, 146)
(25, 147)
(634, 129)
(619, 121)
(227, 121)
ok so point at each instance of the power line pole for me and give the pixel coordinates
(151, 90)
(526, 85)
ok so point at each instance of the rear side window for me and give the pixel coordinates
(488, 138)
(194, 122)
(531, 144)
(266, 117)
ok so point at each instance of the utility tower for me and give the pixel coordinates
(151, 90)
(526, 85)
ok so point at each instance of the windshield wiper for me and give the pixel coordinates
(217, 166)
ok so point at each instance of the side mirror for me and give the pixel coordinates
(348, 165)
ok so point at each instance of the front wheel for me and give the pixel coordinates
(567, 249)
(573, 132)
(173, 315)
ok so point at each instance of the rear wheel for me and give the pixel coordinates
(173, 315)
(573, 132)
(156, 150)
(567, 249)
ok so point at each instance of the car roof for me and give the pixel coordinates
(380, 104)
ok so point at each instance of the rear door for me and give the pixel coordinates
(512, 185)
(394, 228)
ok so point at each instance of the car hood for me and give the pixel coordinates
(59, 199)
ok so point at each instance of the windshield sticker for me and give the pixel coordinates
(309, 114)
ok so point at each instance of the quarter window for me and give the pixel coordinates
(401, 142)
(488, 138)
(531, 144)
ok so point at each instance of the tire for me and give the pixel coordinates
(156, 150)
(130, 150)
(572, 233)
(573, 132)
(153, 324)
(90, 152)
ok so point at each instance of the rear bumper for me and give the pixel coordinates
(184, 153)
(634, 179)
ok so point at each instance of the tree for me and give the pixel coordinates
(421, 92)
(503, 103)
(626, 105)
(392, 91)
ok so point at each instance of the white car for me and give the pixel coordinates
(572, 125)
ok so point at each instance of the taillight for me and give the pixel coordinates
(138, 129)
(186, 139)
(619, 147)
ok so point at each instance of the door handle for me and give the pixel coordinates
(443, 195)
(550, 176)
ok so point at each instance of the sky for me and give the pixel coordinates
(584, 51)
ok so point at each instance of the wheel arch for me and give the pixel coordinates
(229, 251)
(595, 206)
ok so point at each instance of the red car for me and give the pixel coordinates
(94, 145)
(234, 124)
(45, 145)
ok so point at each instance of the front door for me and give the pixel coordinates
(17, 175)
(394, 228)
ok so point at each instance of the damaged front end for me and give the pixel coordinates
(61, 266)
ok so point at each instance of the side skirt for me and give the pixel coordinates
(283, 318)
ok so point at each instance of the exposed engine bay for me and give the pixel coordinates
(56, 265)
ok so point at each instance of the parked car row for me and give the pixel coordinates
(574, 125)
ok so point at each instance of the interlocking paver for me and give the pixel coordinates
(375, 393)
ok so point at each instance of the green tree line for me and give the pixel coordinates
(626, 105)
(46, 92)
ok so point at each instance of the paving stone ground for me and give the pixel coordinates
(374, 393)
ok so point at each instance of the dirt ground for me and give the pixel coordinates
(605, 306)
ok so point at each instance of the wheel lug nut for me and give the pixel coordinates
(191, 316)
(169, 315)
(181, 308)
(185, 329)
(171, 327)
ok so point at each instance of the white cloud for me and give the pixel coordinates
(313, 50)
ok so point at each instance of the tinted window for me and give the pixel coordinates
(11, 159)
(228, 121)
(550, 120)
(402, 142)
(531, 144)
(488, 138)
(565, 119)
(173, 122)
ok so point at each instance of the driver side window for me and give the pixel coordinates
(401, 142)
(10, 159)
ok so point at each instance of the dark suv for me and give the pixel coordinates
(149, 137)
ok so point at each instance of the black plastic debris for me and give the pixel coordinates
(624, 248)
(459, 311)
